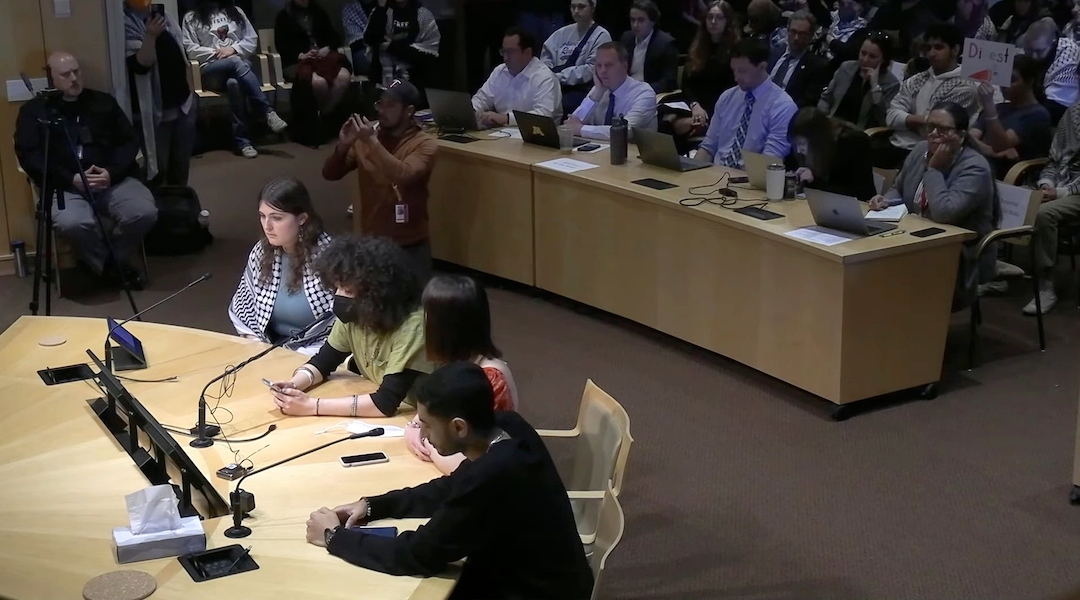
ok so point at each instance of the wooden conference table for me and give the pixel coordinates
(63, 477)
(844, 322)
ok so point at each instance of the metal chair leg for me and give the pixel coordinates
(1038, 301)
(973, 337)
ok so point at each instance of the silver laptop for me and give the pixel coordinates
(756, 166)
(658, 150)
(843, 213)
(452, 110)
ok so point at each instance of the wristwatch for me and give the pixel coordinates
(329, 534)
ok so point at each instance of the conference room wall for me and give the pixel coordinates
(29, 31)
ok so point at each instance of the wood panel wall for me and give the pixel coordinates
(29, 31)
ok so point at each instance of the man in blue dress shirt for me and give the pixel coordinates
(753, 116)
(614, 93)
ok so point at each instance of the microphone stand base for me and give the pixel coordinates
(204, 439)
(237, 532)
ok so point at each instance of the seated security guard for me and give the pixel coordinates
(105, 148)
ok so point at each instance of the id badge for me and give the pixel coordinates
(401, 213)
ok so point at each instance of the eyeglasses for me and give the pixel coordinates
(503, 52)
(930, 128)
(715, 18)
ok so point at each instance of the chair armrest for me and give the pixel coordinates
(196, 80)
(580, 495)
(1020, 169)
(264, 72)
(662, 96)
(279, 73)
(876, 131)
(1002, 234)
(558, 433)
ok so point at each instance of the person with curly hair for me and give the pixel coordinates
(457, 326)
(379, 321)
(280, 294)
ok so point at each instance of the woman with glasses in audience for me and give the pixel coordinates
(861, 90)
(831, 155)
(947, 181)
(708, 71)
(457, 326)
(219, 36)
(280, 295)
(379, 322)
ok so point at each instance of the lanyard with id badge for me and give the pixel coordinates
(401, 210)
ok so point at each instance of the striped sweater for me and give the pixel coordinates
(1063, 169)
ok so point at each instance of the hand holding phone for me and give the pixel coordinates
(270, 384)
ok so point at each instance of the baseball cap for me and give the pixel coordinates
(403, 91)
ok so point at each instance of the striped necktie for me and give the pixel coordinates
(733, 158)
(610, 109)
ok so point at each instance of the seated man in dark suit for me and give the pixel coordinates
(654, 58)
(800, 72)
(504, 508)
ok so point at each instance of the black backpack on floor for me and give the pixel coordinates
(177, 230)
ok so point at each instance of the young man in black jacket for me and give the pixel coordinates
(105, 147)
(505, 508)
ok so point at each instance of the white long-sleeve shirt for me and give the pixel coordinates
(534, 90)
(561, 44)
(201, 41)
(634, 100)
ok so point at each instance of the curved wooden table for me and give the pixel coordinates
(63, 477)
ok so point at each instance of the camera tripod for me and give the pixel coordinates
(54, 123)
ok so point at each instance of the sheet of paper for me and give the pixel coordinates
(988, 61)
(566, 165)
(893, 213)
(512, 132)
(821, 235)
(678, 105)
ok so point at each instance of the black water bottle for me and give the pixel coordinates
(618, 141)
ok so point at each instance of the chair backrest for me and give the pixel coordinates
(601, 453)
(609, 531)
(266, 40)
(884, 178)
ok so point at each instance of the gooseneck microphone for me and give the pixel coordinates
(205, 433)
(108, 359)
(243, 502)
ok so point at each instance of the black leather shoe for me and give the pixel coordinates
(134, 277)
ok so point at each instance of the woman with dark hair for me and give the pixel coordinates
(218, 35)
(861, 90)
(708, 70)
(831, 155)
(379, 322)
(947, 181)
(308, 44)
(280, 294)
(765, 22)
(1021, 14)
(973, 19)
(457, 326)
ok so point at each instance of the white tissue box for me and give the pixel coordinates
(133, 548)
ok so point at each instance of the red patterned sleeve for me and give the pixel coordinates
(503, 400)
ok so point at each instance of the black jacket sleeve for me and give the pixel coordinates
(669, 64)
(325, 34)
(29, 143)
(427, 551)
(376, 29)
(121, 156)
(392, 390)
(327, 359)
(290, 40)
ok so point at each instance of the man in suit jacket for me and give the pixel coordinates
(654, 57)
(800, 72)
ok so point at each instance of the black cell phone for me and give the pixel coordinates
(758, 213)
(739, 179)
(157, 10)
(588, 147)
(66, 374)
(655, 184)
(929, 231)
(370, 458)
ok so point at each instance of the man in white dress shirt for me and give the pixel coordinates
(614, 93)
(522, 83)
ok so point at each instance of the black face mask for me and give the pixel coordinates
(345, 309)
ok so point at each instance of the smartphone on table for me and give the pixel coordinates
(359, 460)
